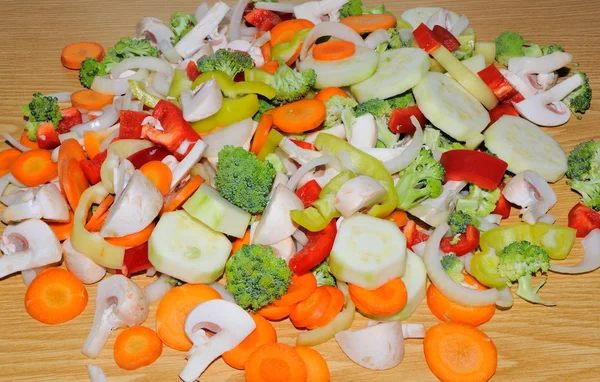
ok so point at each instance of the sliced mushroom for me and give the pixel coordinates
(322, 177)
(297, 153)
(519, 84)
(364, 131)
(533, 71)
(184, 167)
(15, 195)
(192, 41)
(529, 191)
(203, 102)
(358, 193)
(48, 203)
(218, 38)
(284, 249)
(153, 30)
(276, 223)
(123, 174)
(8, 179)
(315, 10)
(288, 163)
(231, 325)
(96, 374)
(29, 274)
(119, 303)
(337, 130)
(81, 266)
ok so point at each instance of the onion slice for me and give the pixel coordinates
(333, 29)
(15, 143)
(304, 169)
(235, 134)
(161, 83)
(61, 97)
(225, 294)
(375, 38)
(151, 63)
(300, 237)
(591, 256)
(117, 86)
(276, 7)
(236, 20)
(409, 153)
(169, 52)
(109, 138)
(157, 289)
(108, 118)
(262, 40)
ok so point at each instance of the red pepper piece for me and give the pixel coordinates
(304, 145)
(131, 124)
(315, 251)
(192, 71)
(446, 38)
(413, 235)
(497, 83)
(71, 117)
(503, 108)
(502, 205)
(135, 260)
(91, 167)
(400, 119)
(309, 193)
(583, 219)
(425, 38)
(263, 19)
(467, 242)
(140, 158)
(46, 136)
(481, 169)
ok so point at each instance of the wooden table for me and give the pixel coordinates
(534, 343)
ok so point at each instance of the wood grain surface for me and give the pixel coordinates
(535, 343)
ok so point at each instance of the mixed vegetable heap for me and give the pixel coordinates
(308, 161)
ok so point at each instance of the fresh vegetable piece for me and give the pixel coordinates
(325, 94)
(556, 240)
(233, 89)
(55, 296)
(270, 66)
(458, 222)
(369, 22)
(584, 160)
(25, 141)
(160, 174)
(261, 18)
(333, 50)
(583, 219)
(287, 29)
(74, 54)
(503, 108)
(262, 132)
(133, 239)
(512, 45)
(289, 51)
(456, 351)
(421, 180)
(317, 368)
(181, 193)
(463, 244)
(226, 60)
(89, 69)
(275, 313)
(292, 85)
(309, 193)
(232, 111)
(92, 168)
(497, 82)
(88, 99)
(91, 142)
(263, 108)
(446, 38)
(400, 119)
(300, 288)
(381, 111)
(299, 116)
(181, 23)
(323, 274)
(62, 230)
(263, 334)
(400, 218)
(481, 169)
(34, 167)
(579, 100)
(335, 107)
(479, 202)
(275, 359)
(183, 80)
(139, 91)
(73, 181)
(173, 310)
(136, 259)
(413, 234)
(388, 299)
(7, 158)
(317, 248)
(128, 48)
(500, 237)
(70, 149)
(46, 137)
(42, 109)
(136, 347)
(130, 124)
(150, 154)
(336, 303)
(438, 141)
(307, 312)
(502, 205)
(487, 49)
(467, 47)
(271, 144)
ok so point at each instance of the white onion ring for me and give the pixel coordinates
(156, 290)
(62, 96)
(161, 84)
(107, 119)
(117, 86)
(591, 256)
(169, 52)
(262, 40)
(450, 288)
(375, 38)
(330, 28)
(247, 31)
(235, 21)
(109, 138)
(547, 218)
(151, 63)
(225, 294)
(409, 153)
(69, 135)
(276, 7)
(15, 143)
(300, 237)
(304, 169)
(466, 260)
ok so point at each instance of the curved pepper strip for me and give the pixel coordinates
(179, 83)
(290, 50)
(271, 144)
(232, 89)
(361, 164)
(92, 244)
(467, 242)
(316, 250)
(233, 110)
(258, 75)
(138, 89)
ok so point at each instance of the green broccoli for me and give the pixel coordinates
(276, 162)
(90, 68)
(437, 140)
(351, 8)
(394, 41)
(511, 45)
(263, 107)
(454, 268)
(549, 49)
(291, 85)
(421, 180)
(584, 161)
(323, 274)
(244, 180)
(335, 106)
(381, 110)
(181, 23)
(379, 10)
(579, 99)
(480, 202)
(467, 44)
(401, 101)
(41, 109)
(589, 190)
(256, 277)
(459, 221)
(531, 49)
(226, 60)
(127, 48)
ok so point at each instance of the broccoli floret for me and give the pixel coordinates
(532, 49)
(90, 68)
(127, 48)
(256, 277)
(459, 221)
(454, 268)
(549, 49)
(579, 99)
(323, 274)
(421, 180)
(351, 8)
(508, 45)
(291, 85)
(226, 60)
(263, 107)
(276, 162)
(589, 190)
(437, 140)
(403, 100)
(480, 202)
(43, 109)
(244, 180)
(335, 106)
(181, 23)
(31, 128)
(394, 41)
(584, 161)
(381, 110)
(379, 10)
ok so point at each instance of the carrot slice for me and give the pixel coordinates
(96, 225)
(324, 94)
(275, 313)
(299, 116)
(92, 141)
(263, 334)
(312, 309)
(262, 131)
(134, 239)
(34, 167)
(182, 193)
(137, 346)
(174, 308)
(333, 50)
(102, 209)
(446, 310)
(73, 182)
(240, 242)
(369, 22)
(265, 49)
(159, 174)
(69, 149)
(276, 362)
(62, 230)
(270, 67)
(400, 218)
(25, 141)
(458, 352)
(285, 31)
(90, 100)
(74, 54)
(388, 299)
(55, 296)
(335, 306)
(7, 158)
(301, 287)
(317, 368)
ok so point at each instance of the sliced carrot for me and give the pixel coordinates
(34, 167)
(333, 309)
(92, 141)
(300, 288)
(238, 243)
(25, 141)
(458, 352)
(265, 49)
(299, 116)
(55, 296)
(90, 100)
(137, 346)
(369, 22)
(182, 193)
(276, 362)
(62, 230)
(102, 209)
(400, 218)
(160, 174)
(74, 54)
(134, 239)
(7, 158)
(317, 368)
(333, 50)
(174, 308)
(67, 150)
(262, 131)
(275, 313)
(96, 225)
(312, 309)
(324, 94)
(263, 334)
(285, 30)
(388, 299)
(446, 310)
(73, 182)
(270, 67)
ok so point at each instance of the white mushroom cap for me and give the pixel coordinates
(529, 191)
(193, 40)
(46, 202)
(81, 266)
(358, 193)
(153, 30)
(364, 132)
(276, 223)
(204, 102)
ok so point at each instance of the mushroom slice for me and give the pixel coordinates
(153, 30)
(96, 374)
(358, 193)
(203, 102)
(231, 325)
(183, 168)
(18, 195)
(81, 266)
(192, 41)
(529, 191)
(48, 203)
(253, 51)
(29, 244)
(276, 223)
(364, 132)
(284, 249)
(119, 303)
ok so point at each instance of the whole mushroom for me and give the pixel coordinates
(153, 30)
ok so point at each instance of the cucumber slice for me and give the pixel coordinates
(524, 146)
(398, 71)
(368, 252)
(182, 247)
(415, 280)
(450, 107)
(416, 16)
(216, 212)
(345, 72)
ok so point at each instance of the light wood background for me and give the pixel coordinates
(535, 343)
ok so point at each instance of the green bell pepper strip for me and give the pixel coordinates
(484, 267)
(557, 240)
(273, 139)
(258, 75)
(233, 110)
(361, 164)
(233, 89)
(499, 238)
(284, 51)
(179, 83)
(138, 89)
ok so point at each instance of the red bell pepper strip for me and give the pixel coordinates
(140, 158)
(131, 124)
(413, 235)
(192, 71)
(315, 251)
(47, 137)
(262, 19)
(177, 133)
(497, 83)
(426, 39)
(71, 117)
(446, 38)
(309, 193)
(502, 205)
(583, 219)
(91, 167)
(400, 119)
(304, 145)
(135, 260)
(503, 108)
(479, 168)
(467, 242)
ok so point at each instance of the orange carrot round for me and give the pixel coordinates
(62, 230)
(299, 116)
(159, 174)
(90, 100)
(263, 334)
(388, 299)
(74, 54)
(34, 167)
(285, 31)
(333, 309)
(317, 368)
(265, 49)
(134, 239)
(174, 308)
(101, 213)
(238, 243)
(182, 193)
(301, 287)
(310, 310)
(55, 296)
(324, 94)
(73, 182)
(91, 142)
(333, 50)
(400, 218)
(7, 158)
(276, 362)
(137, 346)
(25, 141)
(262, 131)
(275, 313)
(369, 22)
(458, 352)
(67, 150)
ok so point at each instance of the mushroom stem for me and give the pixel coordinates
(101, 331)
